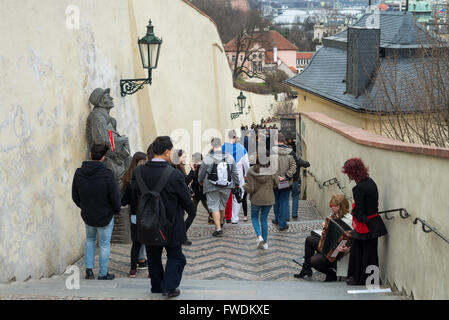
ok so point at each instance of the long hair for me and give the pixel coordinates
(258, 165)
(355, 169)
(340, 200)
(177, 160)
(138, 156)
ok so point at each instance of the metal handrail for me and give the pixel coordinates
(402, 212)
(326, 183)
(430, 228)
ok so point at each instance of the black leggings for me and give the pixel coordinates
(316, 260)
(245, 205)
(135, 248)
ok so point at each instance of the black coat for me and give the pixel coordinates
(176, 198)
(129, 197)
(366, 198)
(95, 191)
(300, 163)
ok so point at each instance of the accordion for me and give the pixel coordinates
(335, 233)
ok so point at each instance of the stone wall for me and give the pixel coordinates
(47, 74)
(408, 176)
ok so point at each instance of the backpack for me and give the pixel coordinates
(153, 226)
(220, 174)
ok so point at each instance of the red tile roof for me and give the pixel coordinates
(268, 39)
(293, 69)
(304, 55)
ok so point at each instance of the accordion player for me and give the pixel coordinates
(335, 233)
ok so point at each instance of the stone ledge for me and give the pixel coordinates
(369, 139)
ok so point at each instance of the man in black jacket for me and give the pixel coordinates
(176, 198)
(95, 191)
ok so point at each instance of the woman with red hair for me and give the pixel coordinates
(368, 225)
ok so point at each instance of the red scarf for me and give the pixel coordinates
(358, 226)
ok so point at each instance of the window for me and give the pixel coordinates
(254, 66)
(260, 66)
(233, 58)
(260, 56)
(241, 57)
(305, 98)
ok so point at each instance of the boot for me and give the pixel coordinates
(306, 271)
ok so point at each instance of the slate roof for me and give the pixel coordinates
(325, 76)
(397, 30)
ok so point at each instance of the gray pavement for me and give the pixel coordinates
(139, 289)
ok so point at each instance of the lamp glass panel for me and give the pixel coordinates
(144, 54)
(154, 55)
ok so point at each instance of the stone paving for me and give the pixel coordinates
(234, 256)
(244, 272)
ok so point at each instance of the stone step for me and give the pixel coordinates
(132, 289)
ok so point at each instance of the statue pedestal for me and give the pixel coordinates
(122, 229)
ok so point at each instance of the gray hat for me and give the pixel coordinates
(97, 95)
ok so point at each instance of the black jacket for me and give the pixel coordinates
(300, 163)
(197, 189)
(129, 197)
(95, 191)
(366, 198)
(176, 198)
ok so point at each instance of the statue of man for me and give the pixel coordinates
(102, 128)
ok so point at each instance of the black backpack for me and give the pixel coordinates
(153, 226)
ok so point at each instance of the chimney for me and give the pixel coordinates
(362, 58)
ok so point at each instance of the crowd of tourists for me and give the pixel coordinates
(160, 193)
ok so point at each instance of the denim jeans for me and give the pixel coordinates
(262, 213)
(104, 234)
(295, 198)
(281, 207)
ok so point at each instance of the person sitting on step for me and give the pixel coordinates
(339, 206)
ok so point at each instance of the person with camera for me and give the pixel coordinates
(218, 175)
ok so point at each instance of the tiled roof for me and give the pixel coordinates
(329, 82)
(305, 55)
(268, 39)
(325, 76)
(293, 69)
(397, 30)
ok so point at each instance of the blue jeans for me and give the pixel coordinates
(295, 198)
(105, 234)
(263, 210)
(281, 206)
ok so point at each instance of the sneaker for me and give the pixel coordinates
(89, 274)
(265, 246)
(245, 218)
(108, 276)
(235, 223)
(132, 273)
(274, 221)
(218, 233)
(284, 228)
(295, 218)
(142, 265)
(260, 242)
(228, 221)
